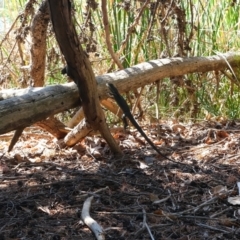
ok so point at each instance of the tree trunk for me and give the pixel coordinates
(79, 68)
(38, 47)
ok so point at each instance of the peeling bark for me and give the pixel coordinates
(38, 48)
(79, 68)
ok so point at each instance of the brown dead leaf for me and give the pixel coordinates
(160, 142)
(119, 135)
(159, 212)
(4, 169)
(165, 214)
(222, 134)
(178, 128)
(220, 191)
(228, 222)
(231, 180)
(153, 197)
(209, 140)
(18, 157)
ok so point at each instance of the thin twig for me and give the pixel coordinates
(212, 228)
(195, 209)
(146, 225)
(107, 35)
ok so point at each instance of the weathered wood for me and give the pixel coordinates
(107, 103)
(38, 45)
(36, 105)
(54, 126)
(15, 138)
(21, 108)
(81, 128)
(77, 133)
(154, 70)
(79, 68)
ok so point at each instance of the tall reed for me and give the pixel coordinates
(159, 29)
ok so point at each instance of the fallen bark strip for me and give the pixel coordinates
(38, 104)
(54, 126)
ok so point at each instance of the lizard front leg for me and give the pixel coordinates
(125, 122)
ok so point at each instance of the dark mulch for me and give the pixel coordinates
(43, 186)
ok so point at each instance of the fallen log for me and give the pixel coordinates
(21, 110)
(35, 105)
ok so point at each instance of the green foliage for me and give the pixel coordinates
(161, 29)
(217, 26)
(10, 9)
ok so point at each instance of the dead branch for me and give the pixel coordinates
(79, 68)
(22, 108)
(107, 103)
(35, 105)
(78, 133)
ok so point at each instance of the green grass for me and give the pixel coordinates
(210, 26)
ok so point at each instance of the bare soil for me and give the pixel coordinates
(43, 185)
